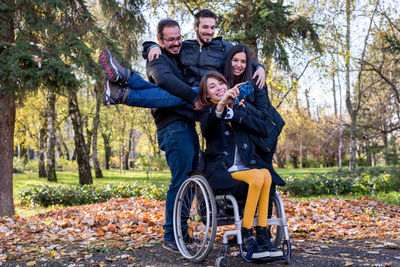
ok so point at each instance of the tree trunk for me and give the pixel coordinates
(63, 145)
(51, 136)
(24, 153)
(279, 161)
(385, 148)
(85, 175)
(96, 121)
(301, 148)
(334, 93)
(107, 150)
(369, 156)
(352, 113)
(42, 149)
(295, 161)
(340, 128)
(353, 137)
(7, 122)
(89, 135)
(128, 150)
(7, 118)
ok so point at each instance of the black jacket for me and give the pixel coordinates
(259, 100)
(165, 72)
(198, 60)
(222, 136)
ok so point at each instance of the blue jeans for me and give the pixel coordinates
(180, 142)
(147, 95)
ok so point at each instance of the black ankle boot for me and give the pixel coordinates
(251, 249)
(263, 236)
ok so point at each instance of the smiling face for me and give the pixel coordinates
(171, 39)
(239, 61)
(205, 30)
(216, 89)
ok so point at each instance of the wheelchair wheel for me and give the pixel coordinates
(194, 218)
(277, 213)
(221, 261)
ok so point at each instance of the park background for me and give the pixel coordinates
(332, 73)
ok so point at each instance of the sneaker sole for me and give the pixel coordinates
(106, 94)
(110, 71)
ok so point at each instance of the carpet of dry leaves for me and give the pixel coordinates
(137, 222)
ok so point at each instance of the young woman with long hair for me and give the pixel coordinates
(230, 158)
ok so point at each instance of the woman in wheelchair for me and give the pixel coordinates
(230, 157)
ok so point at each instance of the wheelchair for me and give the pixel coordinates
(197, 213)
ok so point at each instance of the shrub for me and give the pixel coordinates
(363, 181)
(46, 195)
(18, 165)
(157, 162)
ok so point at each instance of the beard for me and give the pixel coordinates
(201, 37)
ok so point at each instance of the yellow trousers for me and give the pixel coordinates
(259, 181)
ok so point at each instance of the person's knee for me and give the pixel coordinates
(257, 180)
(267, 177)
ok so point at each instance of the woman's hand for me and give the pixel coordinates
(228, 97)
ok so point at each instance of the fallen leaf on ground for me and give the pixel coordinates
(138, 222)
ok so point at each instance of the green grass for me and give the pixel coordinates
(21, 181)
(72, 178)
(159, 177)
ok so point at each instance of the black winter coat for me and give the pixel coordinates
(165, 72)
(198, 60)
(259, 104)
(259, 100)
(221, 137)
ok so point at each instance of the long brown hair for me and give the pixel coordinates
(228, 70)
(203, 99)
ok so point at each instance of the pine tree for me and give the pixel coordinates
(44, 44)
(261, 21)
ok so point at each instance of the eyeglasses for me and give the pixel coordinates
(173, 40)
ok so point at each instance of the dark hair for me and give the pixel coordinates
(204, 13)
(203, 99)
(165, 23)
(228, 71)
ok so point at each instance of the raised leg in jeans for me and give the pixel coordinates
(147, 95)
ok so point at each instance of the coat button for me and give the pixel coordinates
(225, 153)
(227, 132)
(244, 146)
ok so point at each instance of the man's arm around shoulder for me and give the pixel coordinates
(160, 70)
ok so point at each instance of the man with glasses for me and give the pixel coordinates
(176, 131)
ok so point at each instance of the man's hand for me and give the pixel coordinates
(197, 105)
(155, 52)
(260, 73)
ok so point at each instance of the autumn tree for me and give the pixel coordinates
(24, 66)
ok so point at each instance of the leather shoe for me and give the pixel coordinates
(170, 245)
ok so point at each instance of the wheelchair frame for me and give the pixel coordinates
(195, 222)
